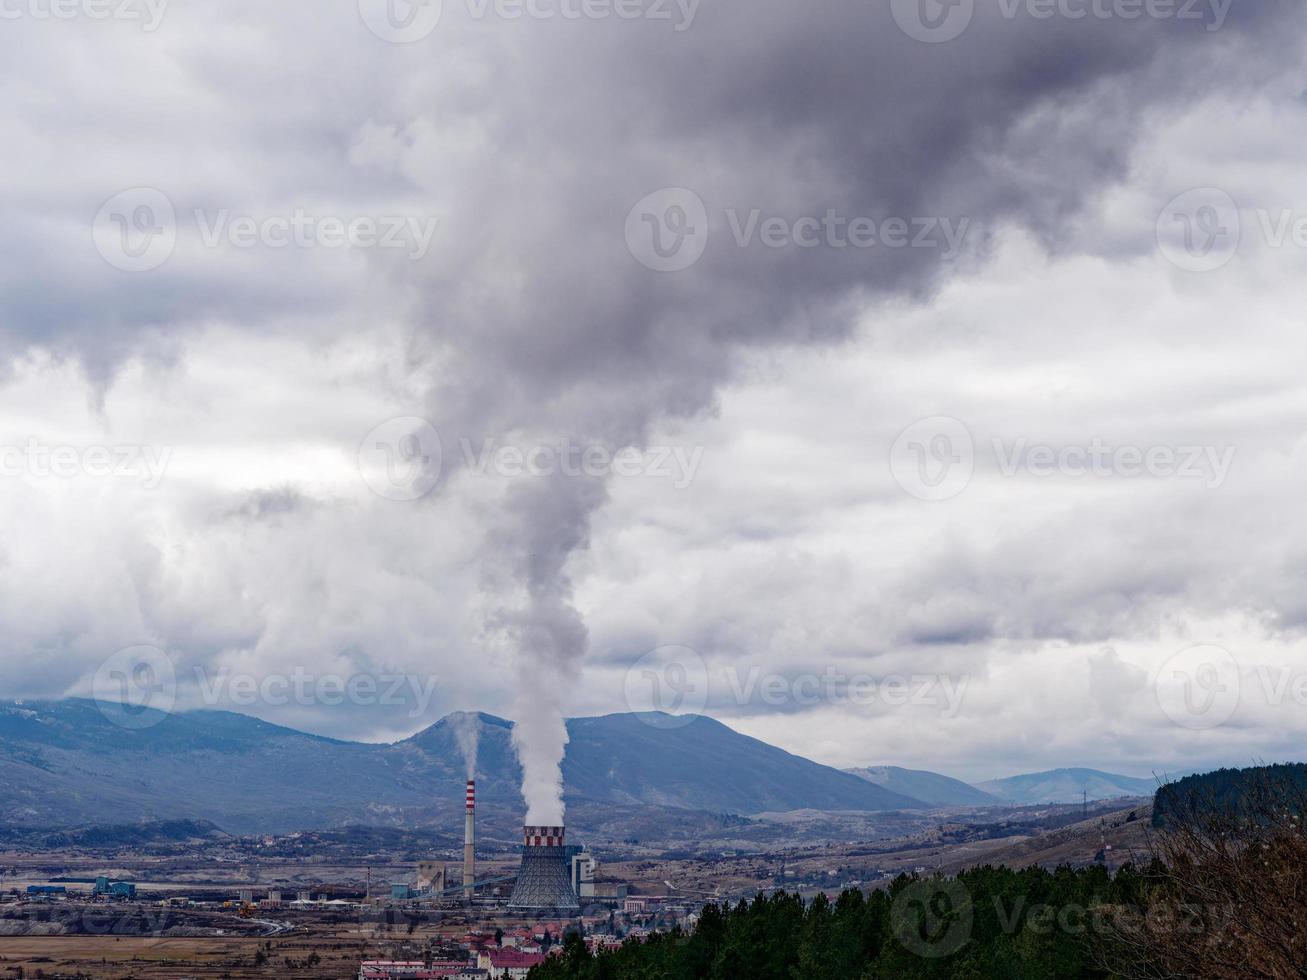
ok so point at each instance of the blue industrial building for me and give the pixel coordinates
(114, 889)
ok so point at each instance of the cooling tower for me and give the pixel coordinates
(543, 882)
(469, 843)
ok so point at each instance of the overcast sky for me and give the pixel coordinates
(731, 356)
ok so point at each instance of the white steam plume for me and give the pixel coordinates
(547, 521)
(467, 731)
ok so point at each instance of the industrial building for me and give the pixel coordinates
(552, 878)
(544, 880)
(113, 889)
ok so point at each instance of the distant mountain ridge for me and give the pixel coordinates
(929, 787)
(1067, 786)
(70, 763)
(75, 763)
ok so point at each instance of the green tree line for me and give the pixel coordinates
(985, 923)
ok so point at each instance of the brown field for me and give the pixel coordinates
(116, 957)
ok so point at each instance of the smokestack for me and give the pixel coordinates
(469, 842)
(544, 882)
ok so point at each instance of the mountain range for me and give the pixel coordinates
(75, 763)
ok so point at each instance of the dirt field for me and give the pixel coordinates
(113, 958)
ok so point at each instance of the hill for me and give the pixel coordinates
(702, 764)
(1067, 786)
(1233, 791)
(1109, 837)
(929, 787)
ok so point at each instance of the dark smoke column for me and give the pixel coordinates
(543, 882)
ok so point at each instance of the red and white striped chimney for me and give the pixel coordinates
(469, 841)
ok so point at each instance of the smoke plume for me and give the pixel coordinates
(548, 328)
(467, 731)
(546, 521)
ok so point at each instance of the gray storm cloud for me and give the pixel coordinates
(531, 141)
(550, 326)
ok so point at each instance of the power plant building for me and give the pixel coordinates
(544, 881)
(582, 869)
